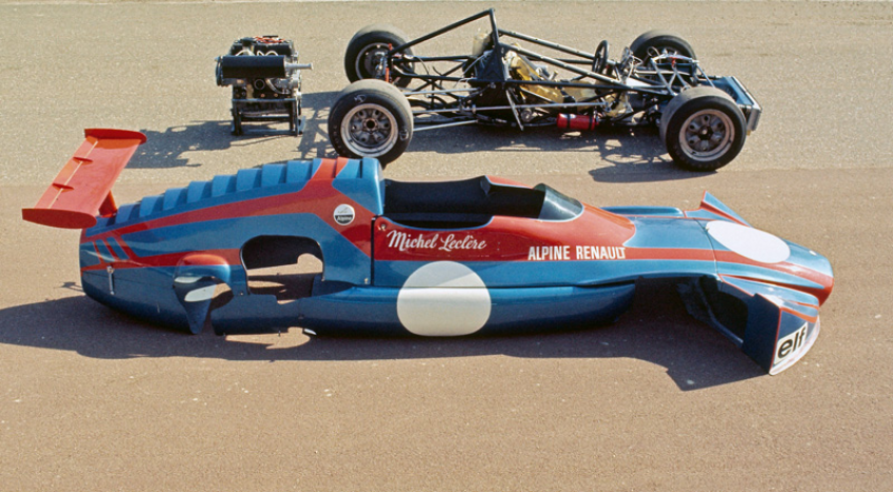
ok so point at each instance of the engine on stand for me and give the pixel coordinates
(266, 79)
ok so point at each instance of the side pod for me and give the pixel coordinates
(195, 281)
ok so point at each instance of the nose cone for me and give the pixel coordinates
(749, 252)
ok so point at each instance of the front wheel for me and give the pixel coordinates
(371, 118)
(703, 129)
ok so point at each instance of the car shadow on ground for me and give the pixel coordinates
(167, 149)
(657, 330)
(170, 148)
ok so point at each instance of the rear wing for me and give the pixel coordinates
(82, 189)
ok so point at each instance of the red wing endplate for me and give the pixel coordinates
(83, 187)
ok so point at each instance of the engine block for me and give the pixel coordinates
(266, 79)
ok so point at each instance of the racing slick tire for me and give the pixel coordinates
(703, 129)
(371, 118)
(660, 41)
(367, 46)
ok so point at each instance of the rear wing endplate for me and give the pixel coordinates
(82, 189)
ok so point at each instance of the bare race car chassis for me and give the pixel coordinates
(703, 119)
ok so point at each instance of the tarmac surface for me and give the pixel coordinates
(93, 400)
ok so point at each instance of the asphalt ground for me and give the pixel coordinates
(94, 400)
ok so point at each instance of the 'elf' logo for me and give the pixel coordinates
(790, 344)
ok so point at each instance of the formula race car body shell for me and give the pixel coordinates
(442, 259)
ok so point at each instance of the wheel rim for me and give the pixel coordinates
(663, 50)
(668, 50)
(369, 130)
(369, 58)
(707, 135)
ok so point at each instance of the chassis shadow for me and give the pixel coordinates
(657, 330)
(635, 154)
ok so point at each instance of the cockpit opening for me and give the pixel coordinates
(472, 203)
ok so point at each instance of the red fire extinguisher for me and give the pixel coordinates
(577, 122)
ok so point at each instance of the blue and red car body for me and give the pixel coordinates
(440, 259)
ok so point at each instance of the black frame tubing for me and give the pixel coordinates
(454, 25)
(432, 80)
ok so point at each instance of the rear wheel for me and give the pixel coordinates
(703, 129)
(371, 118)
(367, 49)
(657, 42)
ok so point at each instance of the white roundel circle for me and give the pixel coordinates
(344, 214)
(443, 299)
(748, 242)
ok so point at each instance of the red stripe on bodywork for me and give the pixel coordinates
(228, 256)
(317, 197)
(502, 239)
(826, 281)
(669, 254)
